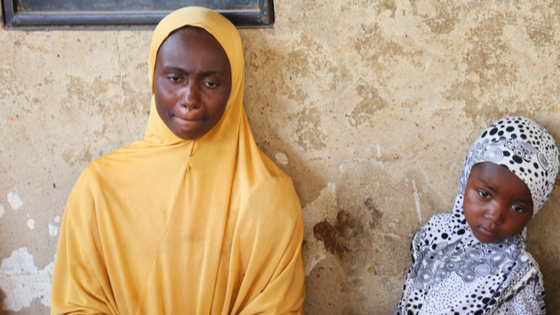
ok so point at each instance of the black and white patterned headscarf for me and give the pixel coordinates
(454, 273)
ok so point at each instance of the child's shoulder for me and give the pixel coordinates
(441, 219)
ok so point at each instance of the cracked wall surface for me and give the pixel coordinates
(369, 105)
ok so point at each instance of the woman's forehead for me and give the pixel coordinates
(189, 35)
(189, 42)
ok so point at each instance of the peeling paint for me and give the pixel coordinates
(21, 281)
(1, 210)
(282, 158)
(56, 219)
(13, 199)
(31, 223)
(53, 230)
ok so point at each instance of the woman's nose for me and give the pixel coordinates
(191, 96)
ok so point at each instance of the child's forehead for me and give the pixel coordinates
(499, 176)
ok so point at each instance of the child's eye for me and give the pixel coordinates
(518, 208)
(483, 194)
(174, 79)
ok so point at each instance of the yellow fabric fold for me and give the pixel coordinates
(169, 226)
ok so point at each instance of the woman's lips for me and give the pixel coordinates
(190, 119)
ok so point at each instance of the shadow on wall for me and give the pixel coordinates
(542, 243)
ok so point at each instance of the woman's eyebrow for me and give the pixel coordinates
(204, 73)
(173, 68)
(212, 72)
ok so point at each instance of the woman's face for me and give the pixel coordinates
(192, 82)
(497, 203)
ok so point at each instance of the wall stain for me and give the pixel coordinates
(373, 47)
(6, 78)
(336, 237)
(375, 214)
(346, 224)
(328, 234)
(541, 31)
(310, 136)
(487, 61)
(71, 156)
(446, 17)
(378, 5)
(370, 104)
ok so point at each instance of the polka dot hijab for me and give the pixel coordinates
(454, 273)
(525, 148)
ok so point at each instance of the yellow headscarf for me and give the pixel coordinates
(170, 226)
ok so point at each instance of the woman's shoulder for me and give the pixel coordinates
(107, 165)
(271, 195)
(113, 159)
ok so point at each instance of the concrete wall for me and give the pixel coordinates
(369, 105)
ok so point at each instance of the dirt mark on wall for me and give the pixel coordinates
(334, 237)
(375, 214)
(337, 237)
(328, 234)
(310, 136)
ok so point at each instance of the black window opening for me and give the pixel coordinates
(124, 14)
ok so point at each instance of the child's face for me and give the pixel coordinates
(192, 82)
(497, 203)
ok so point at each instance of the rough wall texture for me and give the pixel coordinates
(369, 105)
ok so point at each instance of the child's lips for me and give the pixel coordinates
(487, 231)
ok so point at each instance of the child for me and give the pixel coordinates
(194, 219)
(473, 260)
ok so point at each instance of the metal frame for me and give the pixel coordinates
(12, 19)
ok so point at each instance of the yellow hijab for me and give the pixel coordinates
(170, 226)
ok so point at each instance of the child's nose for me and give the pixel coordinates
(494, 213)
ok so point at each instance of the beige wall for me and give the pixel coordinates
(369, 105)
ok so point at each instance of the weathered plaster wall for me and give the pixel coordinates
(369, 105)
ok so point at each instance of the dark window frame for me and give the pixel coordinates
(14, 20)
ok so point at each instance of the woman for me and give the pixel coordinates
(194, 219)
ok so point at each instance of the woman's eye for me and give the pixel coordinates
(174, 79)
(210, 84)
(483, 194)
(517, 208)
